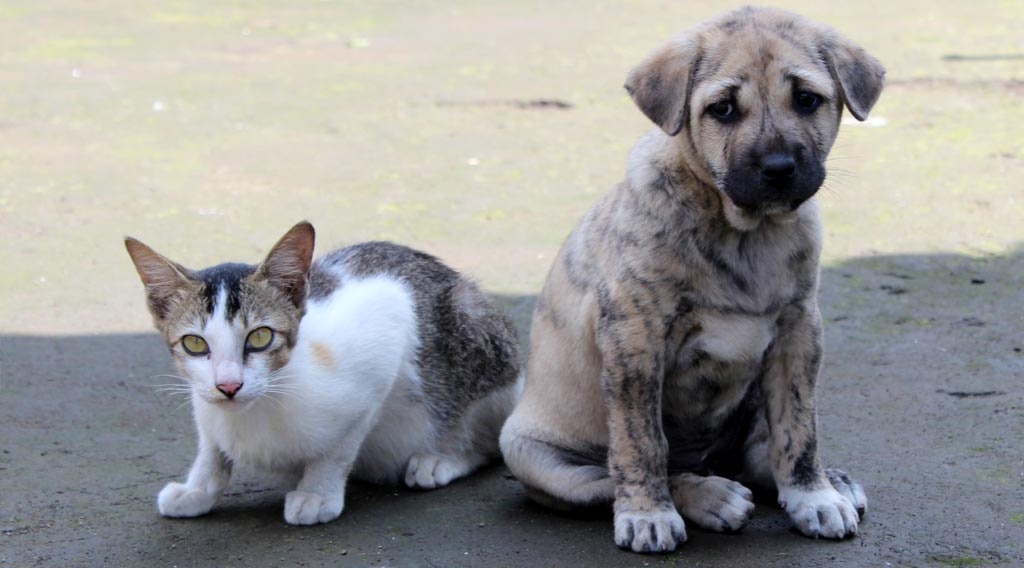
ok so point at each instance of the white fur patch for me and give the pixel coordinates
(736, 338)
(302, 508)
(820, 512)
(651, 531)
(180, 500)
(369, 326)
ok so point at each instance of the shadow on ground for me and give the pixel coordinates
(922, 400)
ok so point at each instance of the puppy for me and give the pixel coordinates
(677, 341)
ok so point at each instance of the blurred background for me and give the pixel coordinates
(481, 132)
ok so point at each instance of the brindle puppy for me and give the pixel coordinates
(677, 341)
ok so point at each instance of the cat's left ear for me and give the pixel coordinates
(287, 266)
(164, 279)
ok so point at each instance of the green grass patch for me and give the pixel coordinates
(959, 561)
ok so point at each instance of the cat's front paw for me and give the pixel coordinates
(820, 512)
(302, 508)
(180, 500)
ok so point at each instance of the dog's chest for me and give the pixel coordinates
(709, 373)
(733, 338)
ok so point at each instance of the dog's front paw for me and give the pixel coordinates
(430, 471)
(302, 508)
(180, 500)
(848, 488)
(649, 531)
(820, 512)
(714, 503)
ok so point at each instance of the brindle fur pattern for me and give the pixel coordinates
(678, 333)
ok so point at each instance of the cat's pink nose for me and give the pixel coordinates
(229, 389)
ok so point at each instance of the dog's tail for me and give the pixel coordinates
(565, 479)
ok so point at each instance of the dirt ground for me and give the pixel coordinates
(480, 131)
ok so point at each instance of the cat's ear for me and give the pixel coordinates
(164, 279)
(287, 266)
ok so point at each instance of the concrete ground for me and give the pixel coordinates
(480, 131)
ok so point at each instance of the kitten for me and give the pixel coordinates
(377, 361)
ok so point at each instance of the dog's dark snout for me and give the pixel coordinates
(778, 169)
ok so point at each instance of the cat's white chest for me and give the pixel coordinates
(261, 437)
(352, 349)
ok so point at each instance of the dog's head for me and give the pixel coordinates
(755, 97)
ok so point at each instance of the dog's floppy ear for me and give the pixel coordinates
(662, 83)
(858, 75)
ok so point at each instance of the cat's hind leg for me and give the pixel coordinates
(431, 470)
(463, 446)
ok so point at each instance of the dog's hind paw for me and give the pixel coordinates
(649, 531)
(713, 503)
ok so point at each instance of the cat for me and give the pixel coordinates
(376, 361)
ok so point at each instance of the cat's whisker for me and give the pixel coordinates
(279, 376)
(162, 388)
(273, 399)
(175, 391)
(179, 377)
(270, 392)
(179, 407)
(282, 386)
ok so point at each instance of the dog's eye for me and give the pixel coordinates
(724, 111)
(807, 102)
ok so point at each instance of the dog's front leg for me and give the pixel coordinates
(645, 518)
(791, 374)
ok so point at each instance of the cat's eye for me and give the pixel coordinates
(194, 345)
(259, 339)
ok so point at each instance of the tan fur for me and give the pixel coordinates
(323, 356)
(669, 300)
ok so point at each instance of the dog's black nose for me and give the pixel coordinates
(778, 169)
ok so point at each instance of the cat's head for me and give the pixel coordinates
(231, 327)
